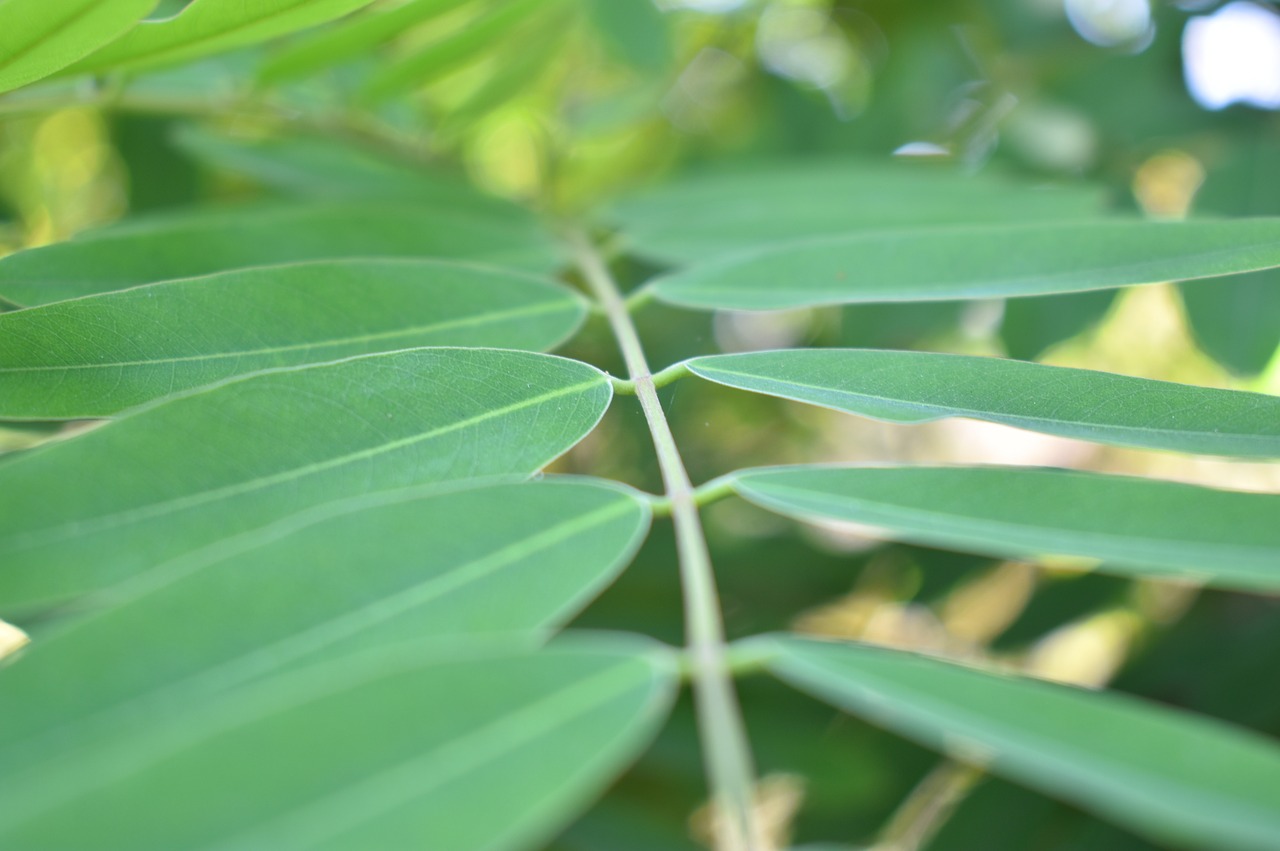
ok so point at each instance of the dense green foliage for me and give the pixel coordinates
(308, 540)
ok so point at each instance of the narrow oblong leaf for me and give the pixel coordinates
(917, 387)
(414, 746)
(41, 37)
(726, 210)
(1171, 775)
(453, 51)
(206, 27)
(198, 470)
(1127, 525)
(183, 246)
(938, 264)
(99, 355)
(429, 562)
(323, 169)
(352, 39)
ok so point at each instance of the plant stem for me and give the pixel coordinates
(928, 807)
(726, 753)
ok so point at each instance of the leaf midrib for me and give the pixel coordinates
(336, 812)
(971, 413)
(230, 673)
(448, 325)
(90, 525)
(1247, 553)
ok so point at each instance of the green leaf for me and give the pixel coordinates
(727, 210)
(1127, 525)
(1173, 776)
(351, 40)
(319, 168)
(406, 565)
(165, 248)
(417, 746)
(453, 51)
(99, 355)
(936, 264)
(1030, 326)
(917, 387)
(206, 27)
(41, 36)
(634, 30)
(1235, 320)
(198, 470)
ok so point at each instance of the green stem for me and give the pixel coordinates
(726, 753)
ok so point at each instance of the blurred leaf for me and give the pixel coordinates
(735, 209)
(315, 167)
(520, 71)
(1126, 525)
(1236, 320)
(405, 747)
(206, 27)
(182, 245)
(99, 355)
(352, 39)
(1181, 778)
(931, 264)
(44, 36)
(201, 469)
(634, 30)
(917, 387)
(453, 51)
(1032, 325)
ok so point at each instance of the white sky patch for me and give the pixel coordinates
(1233, 56)
(1112, 23)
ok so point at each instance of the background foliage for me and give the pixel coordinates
(420, 135)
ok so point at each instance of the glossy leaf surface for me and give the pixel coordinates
(206, 27)
(937, 264)
(99, 355)
(1171, 775)
(415, 746)
(200, 469)
(916, 387)
(721, 211)
(40, 37)
(1125, 525)
(182, 246)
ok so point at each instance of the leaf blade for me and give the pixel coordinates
(1168, 774)
(722, 211)
(184, 246)
(1124, 525)
(99, 355)
(932, 264)
(425, 745)
(916, 387)
(206, 27)
(200, 469)
(42, 38)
